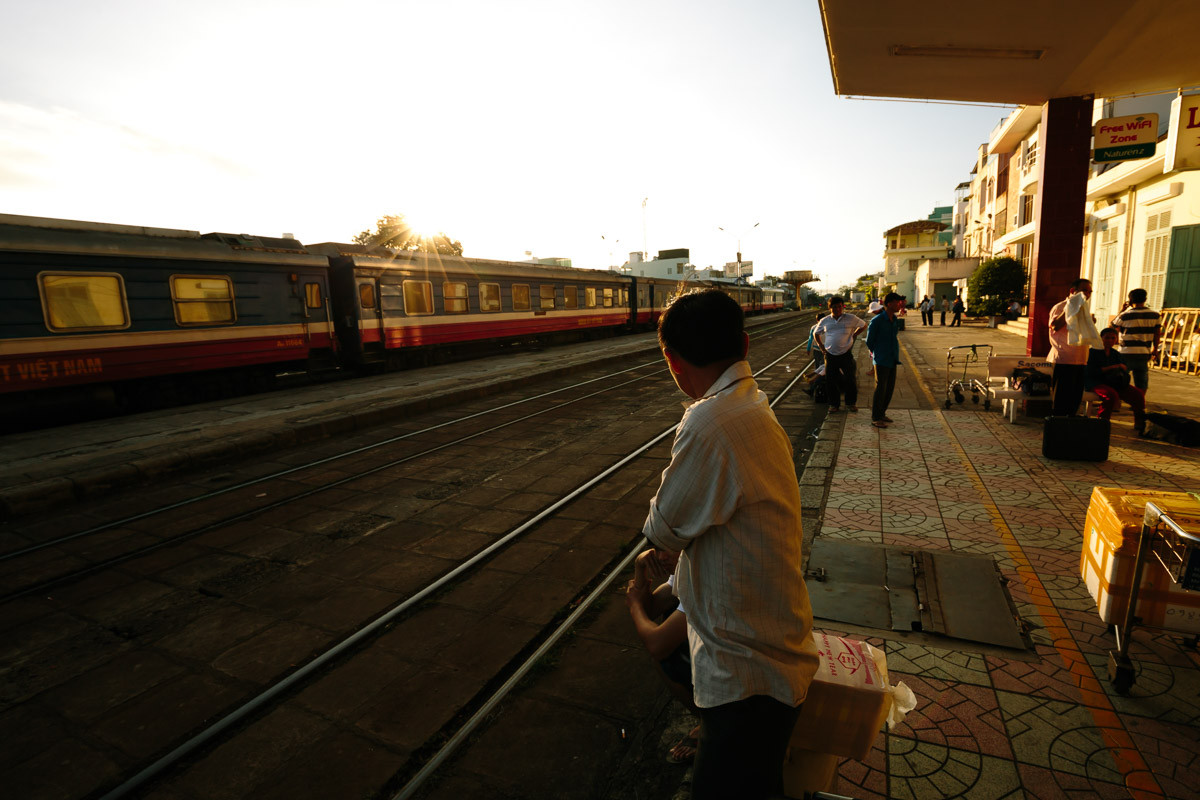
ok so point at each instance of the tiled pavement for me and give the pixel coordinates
(988, 726)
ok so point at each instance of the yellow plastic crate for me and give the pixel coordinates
(1110, 542)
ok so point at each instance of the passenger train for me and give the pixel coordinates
(145, 310)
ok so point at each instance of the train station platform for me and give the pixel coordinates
(991, 724)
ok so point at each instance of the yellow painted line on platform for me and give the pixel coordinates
(1138, 778)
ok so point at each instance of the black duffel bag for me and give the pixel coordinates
(1031, 382)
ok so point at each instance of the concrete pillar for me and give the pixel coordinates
(1064, 154)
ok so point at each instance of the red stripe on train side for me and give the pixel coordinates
(95, 365)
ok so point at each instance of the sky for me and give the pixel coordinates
(581, 130)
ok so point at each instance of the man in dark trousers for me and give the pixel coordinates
(885, 355)
(834, 336)
(729, 503)
(959, 308)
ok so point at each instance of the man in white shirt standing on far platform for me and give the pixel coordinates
(835, 335)
(730, 502)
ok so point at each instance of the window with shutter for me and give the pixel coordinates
(1154, 257)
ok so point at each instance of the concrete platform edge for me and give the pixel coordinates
(41, 495)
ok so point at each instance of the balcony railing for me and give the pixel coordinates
(1179, 350)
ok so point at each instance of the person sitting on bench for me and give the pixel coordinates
(1108, 377)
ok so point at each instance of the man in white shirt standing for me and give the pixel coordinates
(835, 337)
(1070, 360)
(730, 502)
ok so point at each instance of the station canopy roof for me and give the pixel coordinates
(997, 53)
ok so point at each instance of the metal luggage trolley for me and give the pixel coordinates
(966, 356)
(1178, 551)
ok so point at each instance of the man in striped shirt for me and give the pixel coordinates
(1140, 333)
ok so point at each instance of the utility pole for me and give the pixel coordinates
(645, 240)
(739, 245)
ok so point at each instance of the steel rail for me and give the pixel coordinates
(182, 537)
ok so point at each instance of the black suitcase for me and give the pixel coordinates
(1075, 438)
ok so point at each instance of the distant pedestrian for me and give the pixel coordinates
(945, 308)
(1072, 331)
(927, 311)
(1141, 333)
(885, 354)
(1014, 311)
(959, 308)
(835, 337)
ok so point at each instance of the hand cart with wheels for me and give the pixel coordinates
(972, 361)
(1175, 550)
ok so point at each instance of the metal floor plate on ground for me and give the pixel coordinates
(907, 589)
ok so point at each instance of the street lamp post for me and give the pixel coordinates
(739, 244)
(612, 243)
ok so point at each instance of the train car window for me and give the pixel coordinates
(520, 295)
(608, 298)
(546, 293)
(489, 297)
(366, 295)
(624, 297)
(454, 297)
(590, 296)
(202, 299)
(570, 297)
(418, 298)
(312, 295)
(74, 301)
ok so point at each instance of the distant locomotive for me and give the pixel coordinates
(139, 311)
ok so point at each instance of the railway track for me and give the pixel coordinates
(515, 605)
(522, 409)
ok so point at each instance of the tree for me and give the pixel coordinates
(394, 233)
(994, 284)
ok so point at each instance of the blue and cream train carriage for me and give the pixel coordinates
(146, 310)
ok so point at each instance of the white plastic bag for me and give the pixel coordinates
(903, 701)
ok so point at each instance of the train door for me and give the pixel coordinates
(316, 311)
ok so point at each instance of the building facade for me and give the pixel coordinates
(907, 245)
(1141, 223)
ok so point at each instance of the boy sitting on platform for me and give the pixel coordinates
(1108, 376)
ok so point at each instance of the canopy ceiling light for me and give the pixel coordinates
(951, 51)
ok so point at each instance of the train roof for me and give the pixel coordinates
(76, 237)
(374, 257)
